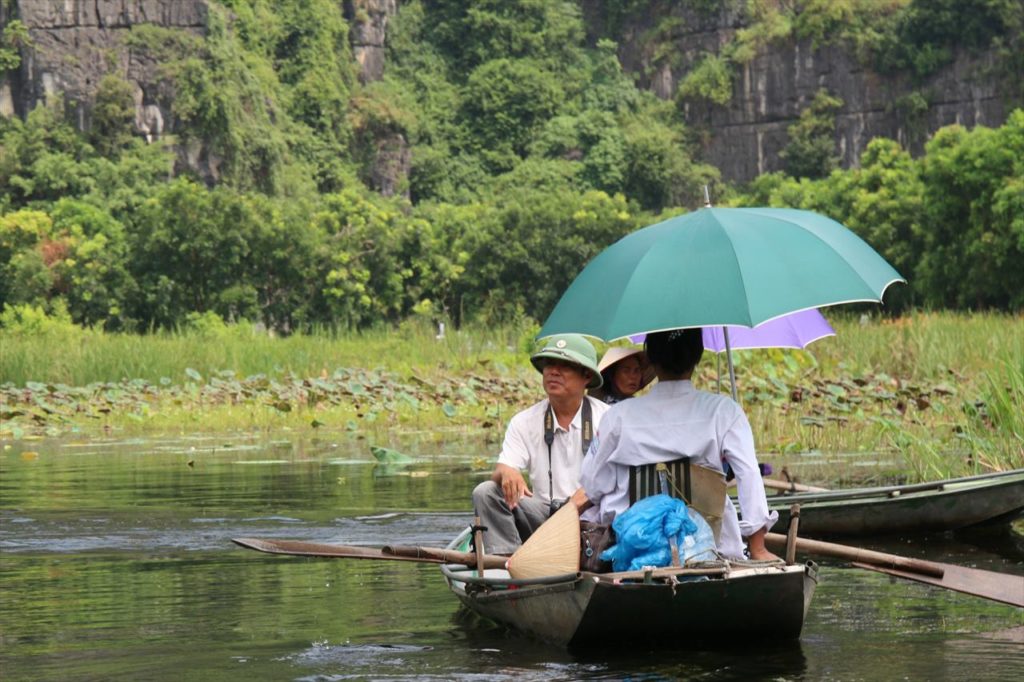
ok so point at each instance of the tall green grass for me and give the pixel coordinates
(80, 357)
(996, 430)
(921, 346)
(956, 347)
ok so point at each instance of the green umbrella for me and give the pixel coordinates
(720, 266)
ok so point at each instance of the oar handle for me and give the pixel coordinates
(791, 487)
(786, 486)
(858, 554)
(447, 556)
(393, 553)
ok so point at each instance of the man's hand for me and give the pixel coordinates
(755, 544)
(513, 485)
(580, 499)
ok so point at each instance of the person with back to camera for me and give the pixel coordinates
(549, 440)
(624, 372)
(675, 420)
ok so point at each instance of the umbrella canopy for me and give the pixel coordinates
(720, 266)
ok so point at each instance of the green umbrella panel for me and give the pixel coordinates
(720, 266)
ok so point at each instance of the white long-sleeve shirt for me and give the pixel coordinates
(676, 420)
(524, 448)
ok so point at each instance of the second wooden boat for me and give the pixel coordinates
(918, 508)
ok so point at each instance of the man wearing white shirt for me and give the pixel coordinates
(548, 440)
(675, 420)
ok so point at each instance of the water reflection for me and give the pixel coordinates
(116, 564)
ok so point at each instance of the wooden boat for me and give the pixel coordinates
(711, 602)
(669, 605)
(919, 508)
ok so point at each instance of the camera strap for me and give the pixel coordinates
(587, 417)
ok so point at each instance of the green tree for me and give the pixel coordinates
(25, 247)
(659, 171)
(477, 32)
(503, 104)
(973, 232)
(711, 80)
(42, 158)
(192, 251)
(811, 151)
(14, 37)
(113, 116)
(93, 276)
(523, 256)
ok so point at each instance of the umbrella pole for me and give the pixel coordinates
(728, 357)
(718, 368)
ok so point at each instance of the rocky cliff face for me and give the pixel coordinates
(368, 20)
(744, 137)
(77, 42)
(368, 29)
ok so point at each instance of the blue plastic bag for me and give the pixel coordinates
(642, 535)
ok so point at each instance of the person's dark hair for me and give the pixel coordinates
(609, 382)
(676, 351)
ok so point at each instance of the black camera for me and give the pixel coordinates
(555, 505)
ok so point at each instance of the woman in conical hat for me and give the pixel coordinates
(625, 371)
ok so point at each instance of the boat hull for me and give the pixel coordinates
(924, 508)
(591, 609)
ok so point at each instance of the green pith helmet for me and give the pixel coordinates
(572, 348)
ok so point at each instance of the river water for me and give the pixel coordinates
(116, 563)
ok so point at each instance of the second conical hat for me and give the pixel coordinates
(553, 549)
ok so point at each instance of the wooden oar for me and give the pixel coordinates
(553, 549)
(786, 486)
(393, 553)
(1001, 587)
(789, 486)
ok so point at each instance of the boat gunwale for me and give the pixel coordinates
(456, 573)
(953, 485)
(489, 596)
(449, 571)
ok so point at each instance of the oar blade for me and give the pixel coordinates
(319, 549)
(1000, 587)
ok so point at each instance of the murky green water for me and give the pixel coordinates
(115, 563)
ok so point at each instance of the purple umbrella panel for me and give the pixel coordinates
(795, 330)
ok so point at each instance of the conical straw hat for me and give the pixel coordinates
(553, 549)
(617, 354)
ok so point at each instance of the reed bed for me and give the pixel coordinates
(79, 357)
(918, 397)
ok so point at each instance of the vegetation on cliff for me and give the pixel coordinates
(912, 37)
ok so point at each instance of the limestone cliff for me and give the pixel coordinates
(369, 28)
(76, 42)
(743, 138)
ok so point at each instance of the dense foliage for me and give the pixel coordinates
(951, 222)
(528, 151)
